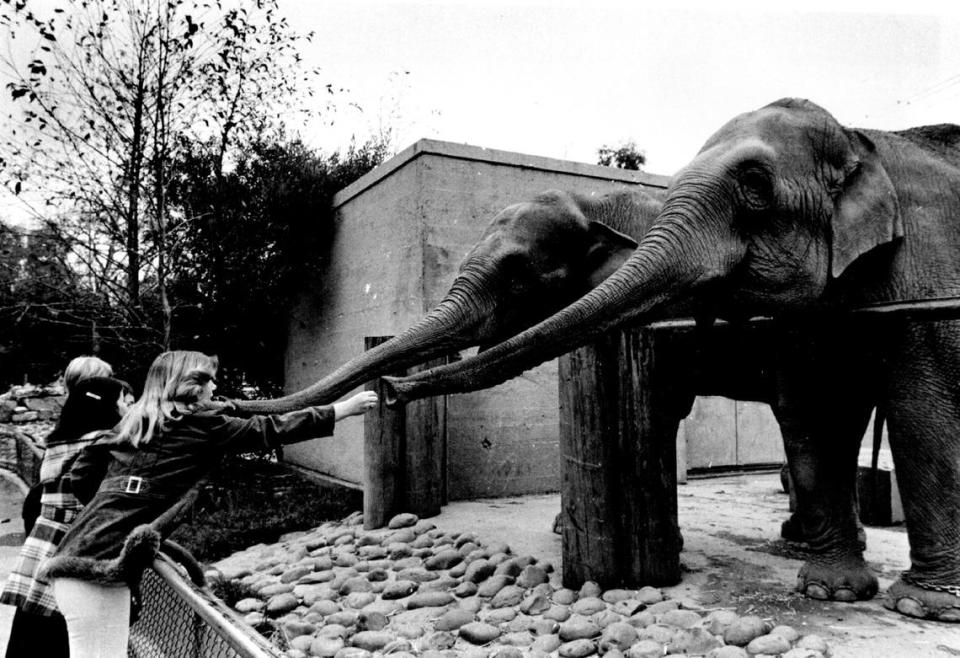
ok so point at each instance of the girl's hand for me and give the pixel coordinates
(359, 404)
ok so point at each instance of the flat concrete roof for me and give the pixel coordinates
(507, 158)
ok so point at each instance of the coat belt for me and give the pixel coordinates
(128, 484)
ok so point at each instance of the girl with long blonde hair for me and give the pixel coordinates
(138, 480)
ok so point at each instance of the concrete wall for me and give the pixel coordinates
(400, 235)
(720, 432)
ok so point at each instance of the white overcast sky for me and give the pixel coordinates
(561, 78)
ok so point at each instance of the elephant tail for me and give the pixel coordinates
(878, 420)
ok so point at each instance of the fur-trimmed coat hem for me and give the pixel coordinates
(138, 553)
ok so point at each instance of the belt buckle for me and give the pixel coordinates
(134, 484)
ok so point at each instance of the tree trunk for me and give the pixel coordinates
(160, 137)
(134, 169)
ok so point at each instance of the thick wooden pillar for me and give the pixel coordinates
(425, 488)
(384, 438)
(618, 465)
(404, 454)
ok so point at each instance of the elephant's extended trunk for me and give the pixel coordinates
(659, 271)
(448, 327)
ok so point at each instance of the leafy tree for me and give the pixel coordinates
(250, 237)
(102, 103)
(625, 156)
(40, 298)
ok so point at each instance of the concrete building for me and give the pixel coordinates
(400, 234)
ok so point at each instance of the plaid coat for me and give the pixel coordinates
(58, 508)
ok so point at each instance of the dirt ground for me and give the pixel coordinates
(732, 559)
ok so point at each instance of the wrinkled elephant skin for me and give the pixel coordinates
(786, 213)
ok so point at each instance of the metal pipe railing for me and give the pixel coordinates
(180, 619)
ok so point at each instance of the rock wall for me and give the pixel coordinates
(30, 403)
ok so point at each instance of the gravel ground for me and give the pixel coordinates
(414, 589)
(734, 573)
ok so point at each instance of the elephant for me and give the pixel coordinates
(786, 213)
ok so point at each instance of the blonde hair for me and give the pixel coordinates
(171, 390)
(84, 367)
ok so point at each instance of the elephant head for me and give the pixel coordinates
(768, 217)
(532, 260)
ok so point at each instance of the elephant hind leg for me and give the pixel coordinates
(823, 419)
(844, 578)
(824, 458)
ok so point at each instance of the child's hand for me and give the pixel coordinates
(358, 404)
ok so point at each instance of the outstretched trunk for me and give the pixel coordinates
(670, 263)
(451, 326)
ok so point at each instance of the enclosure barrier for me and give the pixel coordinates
(181, 620)
(178, 619)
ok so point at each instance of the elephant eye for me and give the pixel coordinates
(515, 267)
(756, 186)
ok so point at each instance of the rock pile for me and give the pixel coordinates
(413, 590)
(29, 403)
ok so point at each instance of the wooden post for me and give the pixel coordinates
(618, 466)
(404, 454)
(384, 436)
(426, 455)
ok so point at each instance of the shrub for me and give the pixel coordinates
(252, 500)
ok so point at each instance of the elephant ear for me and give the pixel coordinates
(608, 250)
(867, 212)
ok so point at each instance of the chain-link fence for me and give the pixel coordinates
(181, 620)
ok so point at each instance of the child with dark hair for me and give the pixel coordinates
(94, 403)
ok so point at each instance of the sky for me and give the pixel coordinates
(562, 78)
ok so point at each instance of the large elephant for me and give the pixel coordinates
(786, 213)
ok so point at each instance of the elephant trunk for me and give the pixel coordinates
(452, 325)
(669, 264)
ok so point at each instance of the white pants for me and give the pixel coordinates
(97, 616)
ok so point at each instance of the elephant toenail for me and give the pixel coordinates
(817, 592)
(950, 615)
(845, 595)
(911, 607)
